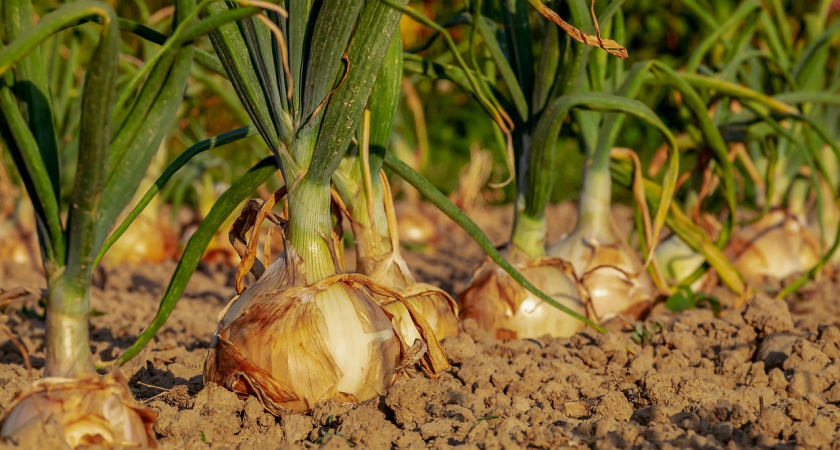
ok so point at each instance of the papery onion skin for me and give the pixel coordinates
(502, 306)
(435, 305)
(86, 411)
(611, 273)
(293, 346)
(778, 245)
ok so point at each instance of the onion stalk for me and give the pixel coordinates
(613, 274)
(611, 271)
(414, 227)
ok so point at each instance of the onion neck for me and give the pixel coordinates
(594, 208)
(68, 344)
(310, 228)
(528, 237)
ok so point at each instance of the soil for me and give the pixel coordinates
(767, 375)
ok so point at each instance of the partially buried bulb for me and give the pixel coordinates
(293, 344)
(777, 245)
(84, 412)
(502, 306)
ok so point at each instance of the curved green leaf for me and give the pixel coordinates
(65, 16)
(548, 128)
(202, 58)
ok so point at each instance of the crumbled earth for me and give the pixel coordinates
(766, 375)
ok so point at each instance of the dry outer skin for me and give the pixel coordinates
(766, 376)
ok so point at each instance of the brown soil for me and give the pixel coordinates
(767, 376)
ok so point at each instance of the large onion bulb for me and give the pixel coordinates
(88, 411)
(292, 345)
(777, 246)
(502, 306)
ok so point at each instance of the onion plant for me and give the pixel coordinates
(542, 93)
(304, 77)
(612, 272)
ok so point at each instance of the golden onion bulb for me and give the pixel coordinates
(414, 227)
(18, 237)
(611, 273)
(85, 412)
(292, 345)
(435, 305)
(777, 246)
(146, 241)
(16, 247)
(502, 306)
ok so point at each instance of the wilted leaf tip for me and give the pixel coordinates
(612, 47)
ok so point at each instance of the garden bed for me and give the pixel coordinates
(767, 375)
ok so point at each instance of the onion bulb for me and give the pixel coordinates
(499, 304)
(86, 412)
(778, 245)
(390, 269)
(414, 227)
(292, 345)
(147, 240)
(610, 271)
(18, 238)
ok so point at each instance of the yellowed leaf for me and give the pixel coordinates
(612, 47)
